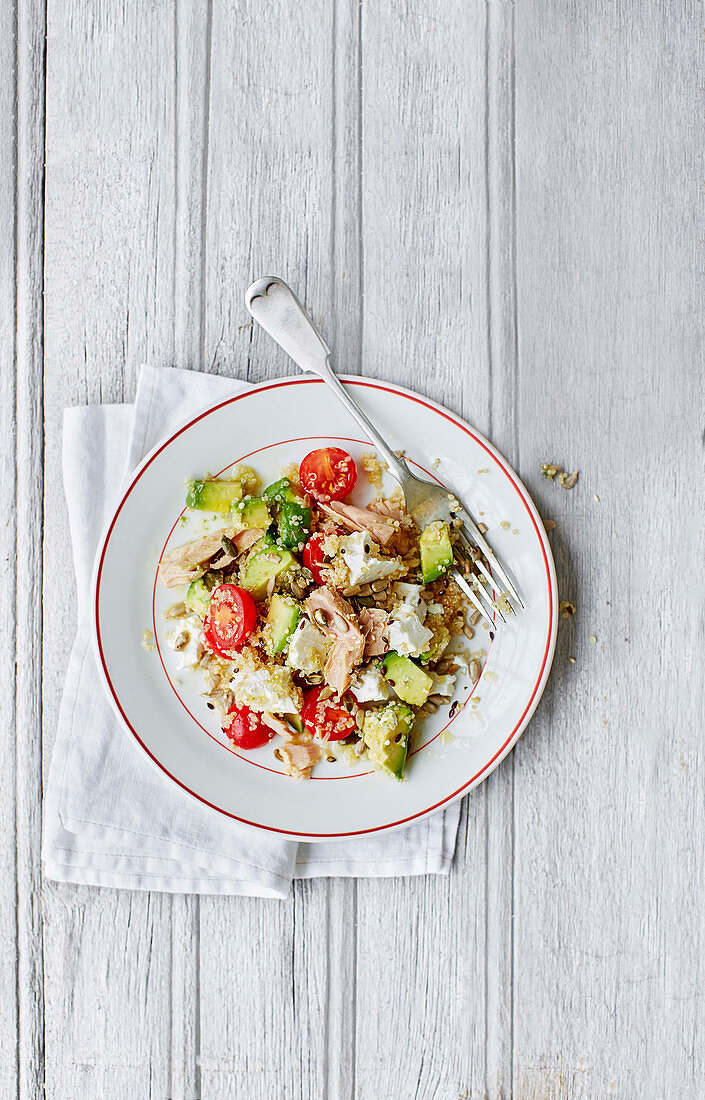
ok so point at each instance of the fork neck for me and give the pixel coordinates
(397, 467)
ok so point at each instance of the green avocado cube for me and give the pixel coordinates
(212, 496)
(251, 512)
(435, 550)
(386, 732)
(410, 682)
(282, 619)
(264, 562)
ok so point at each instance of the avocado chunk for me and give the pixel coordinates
(410, 682)
(292, 514)
(251, 512)
(436, 551)
(264, 562)
(386, 733)
(282, 619)
(198, 596)
(213, 496)
(439, 643)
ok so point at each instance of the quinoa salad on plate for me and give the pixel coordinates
(325, 628)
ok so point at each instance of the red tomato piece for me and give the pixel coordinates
(329, 723)
(245, 728)
(312, 556)
(230, 619)
(328, 474)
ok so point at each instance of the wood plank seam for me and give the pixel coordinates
(29, 249)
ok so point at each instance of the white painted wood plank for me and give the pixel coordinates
(275, 995)
(427, 1007)
(502, 429)
(609, 821)
(192, 49)
(27, 562)
(8, 534)
(122, 1003)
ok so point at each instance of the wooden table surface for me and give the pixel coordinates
(501, 206)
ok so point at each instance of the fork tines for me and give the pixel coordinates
(479, 584)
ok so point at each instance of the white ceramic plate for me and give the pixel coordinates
(269, 427)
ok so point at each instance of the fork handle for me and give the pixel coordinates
(277, 309)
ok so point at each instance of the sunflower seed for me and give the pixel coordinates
(468, 631)
(320, 617)
(352, 590)
(176, 611)
(326, 693)
(379, 586)
(181, 640)
(474, 670)
(359, 719)
(439, 698)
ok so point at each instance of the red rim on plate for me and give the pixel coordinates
(547, 562)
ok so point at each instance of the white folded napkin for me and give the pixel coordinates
(110, 818)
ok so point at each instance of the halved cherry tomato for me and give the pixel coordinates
(329, 723)
(312, 556)
(328, 474)
(230, 619)
(245, 728)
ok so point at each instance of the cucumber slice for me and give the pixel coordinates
(279, 491)
(292, 515)
(294, 524)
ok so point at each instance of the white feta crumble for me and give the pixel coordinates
(370, 686)
(308, 648)
(434, 608)
(442, 685)
(262, 689)
(188, 651)
(410, 594)
(363, 564)
(407, 634)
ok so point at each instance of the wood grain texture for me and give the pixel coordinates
(9, 1067)
(121, 991)
(282, 85)
(421, 945)
(609, 872)
(501, 206)
(29, 447)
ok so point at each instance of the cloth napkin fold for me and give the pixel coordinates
(110, 818)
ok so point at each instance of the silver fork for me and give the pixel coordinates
(277, 309)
